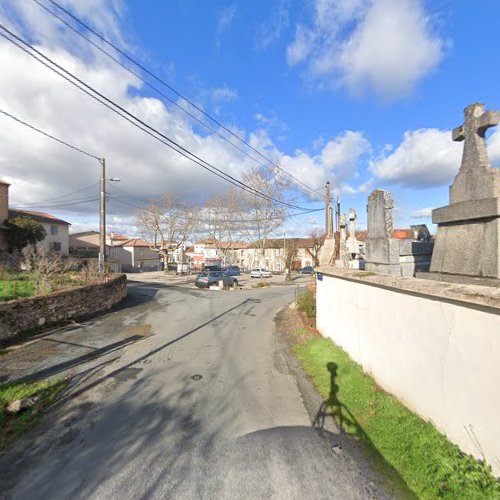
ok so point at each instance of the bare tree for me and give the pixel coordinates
(265, 214)
(167, 223)
(317, 240)
(222, 212)
(291, 249)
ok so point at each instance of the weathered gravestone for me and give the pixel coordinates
(468, 236)
(389, 255)
(353, 245)
(381, 249)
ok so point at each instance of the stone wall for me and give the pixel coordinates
(435, 346)
(17, 316)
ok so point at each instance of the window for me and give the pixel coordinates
(55, 246)
(54, 229)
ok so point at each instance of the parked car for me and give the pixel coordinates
(306, 270)
(232, 270)
(211, 268)
(208, 278)
(260, 272)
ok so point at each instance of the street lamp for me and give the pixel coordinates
(102, 216)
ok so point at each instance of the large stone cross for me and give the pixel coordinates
(477, 121)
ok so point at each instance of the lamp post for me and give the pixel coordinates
(102, 216)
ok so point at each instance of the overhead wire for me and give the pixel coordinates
(172, 89)
(200, 219)
(80, 150)
(117, 109)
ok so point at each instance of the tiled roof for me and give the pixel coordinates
(134, 242)
(38, 216)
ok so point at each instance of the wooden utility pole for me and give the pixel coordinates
(327, 210)
(102, 218)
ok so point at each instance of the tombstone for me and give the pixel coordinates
(344, 257)
(352, 242)
(386, 254)
(468, 236)
(381, 249)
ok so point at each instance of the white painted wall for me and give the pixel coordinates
(441, 359)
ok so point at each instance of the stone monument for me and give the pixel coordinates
(344, 257)
(468, 236)
(352, 242)
(389, 255)
(381, 249)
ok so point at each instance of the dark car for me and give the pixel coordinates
(232, 270)
(306, 270)
(211, 268)
(208, 278)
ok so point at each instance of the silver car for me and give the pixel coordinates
(260, 272)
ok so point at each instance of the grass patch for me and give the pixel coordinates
(427, 462)
(15, 289)
(12, 426)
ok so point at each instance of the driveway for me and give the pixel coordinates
(188, 395)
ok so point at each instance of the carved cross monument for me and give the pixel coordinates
(468, 237)
(477, 121)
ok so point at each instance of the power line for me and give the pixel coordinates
(172, 89)
(110, 104)
(67, 144)
(207, 220)
(79, 202)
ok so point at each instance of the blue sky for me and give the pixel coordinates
(361, 92)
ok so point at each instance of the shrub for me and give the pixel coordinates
(306, 301)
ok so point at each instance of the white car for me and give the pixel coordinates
(260, 272)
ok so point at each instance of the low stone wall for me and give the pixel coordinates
(17, 316)
(434, 345)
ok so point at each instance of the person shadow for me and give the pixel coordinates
(348, 425)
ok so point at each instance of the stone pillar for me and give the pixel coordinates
(4, 212)
(352, 242)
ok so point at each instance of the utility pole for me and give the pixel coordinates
(102, 219)
(327, 207)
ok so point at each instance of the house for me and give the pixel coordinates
(135, 255)
(211, 252)
(4, 213)
(57, 229)
(277, 250)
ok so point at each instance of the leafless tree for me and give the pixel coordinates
(221, 215)
(264, 213)
(167, 223)
(291, 249)
(317, 240)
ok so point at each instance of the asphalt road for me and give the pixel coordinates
(195, 399)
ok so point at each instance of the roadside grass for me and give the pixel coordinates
(12, 426)
(426, 461)
(16, 285)
(15, 289)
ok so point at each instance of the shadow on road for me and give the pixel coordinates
(160, 348)
(347, 423)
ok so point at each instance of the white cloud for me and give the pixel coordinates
(338, 162)
(426, 157)
(273, 28)
(423, 213)
(40, 169)
(494, 148)
(226, 17)
(385, 46)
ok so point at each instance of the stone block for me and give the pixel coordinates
(467, 210)
(471, 249)
(382, 251)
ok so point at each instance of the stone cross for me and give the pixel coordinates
(477, 121)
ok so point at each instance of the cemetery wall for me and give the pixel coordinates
(435, 346)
